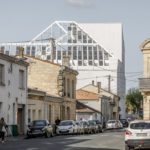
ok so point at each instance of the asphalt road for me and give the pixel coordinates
(109, 140)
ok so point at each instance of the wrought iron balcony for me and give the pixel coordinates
(144, 84)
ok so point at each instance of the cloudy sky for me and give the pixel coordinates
(23, 19)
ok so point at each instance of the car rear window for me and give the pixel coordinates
(66, 123)
(39, 123)
(141, 125)
(112, 121)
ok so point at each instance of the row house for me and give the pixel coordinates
(101, 100)
(57, 81)
(144, 83)
(13, 91)
(43, 106)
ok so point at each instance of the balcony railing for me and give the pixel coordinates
(144, 84)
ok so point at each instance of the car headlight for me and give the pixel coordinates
(70, 128)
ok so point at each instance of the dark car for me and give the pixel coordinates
(39, 128)
(100, 126)
(124, 122)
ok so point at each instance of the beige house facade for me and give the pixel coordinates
(144, 83)
(59, 84)
(99, 99)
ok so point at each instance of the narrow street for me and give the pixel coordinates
(109, 140)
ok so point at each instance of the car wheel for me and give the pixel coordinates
(128, 148)
(52, 134)
(47, 134)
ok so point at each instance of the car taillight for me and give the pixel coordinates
(127, 132)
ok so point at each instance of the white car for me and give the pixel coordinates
(137, 135)
(113, 124)
(67, 127)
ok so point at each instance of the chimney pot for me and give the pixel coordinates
(99, 86)
(92, 82)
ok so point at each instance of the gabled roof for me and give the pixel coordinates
(13, 60)
(95, 89)
(80, 107)
(52, 63)
(86, 95)
(45, 61)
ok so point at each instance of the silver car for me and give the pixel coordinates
(67, 127)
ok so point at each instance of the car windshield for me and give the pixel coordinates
(66, 123)
(39, 123)
(123, 120)
(140, 125)
(111, 121)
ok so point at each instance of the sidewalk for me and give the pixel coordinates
(15, 138)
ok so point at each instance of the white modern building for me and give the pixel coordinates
(95, 50)
(13, 91)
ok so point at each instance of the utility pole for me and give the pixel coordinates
(109, 77)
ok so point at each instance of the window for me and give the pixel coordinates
(79, 62)
(84, 52)
(21, 79)
(100, 63)
(33, 51)
(90, 63)
(75, 53)
(28, 50)
(64, 86)
(68, 87)
(100, 55)
(73, 89)
(80, 54)
(44, 50)
(95, 52)
(59, 55)
(90, 53)
(106, 56)
(2, 75)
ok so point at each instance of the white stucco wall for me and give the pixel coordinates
(10, 94)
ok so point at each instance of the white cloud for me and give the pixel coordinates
(80, 3)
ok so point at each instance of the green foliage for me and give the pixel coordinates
(133, 100)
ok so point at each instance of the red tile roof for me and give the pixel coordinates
(85, 95)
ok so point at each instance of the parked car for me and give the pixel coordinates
(86, 127)
(124, 122)
(93, 126)
(67, 127)
(100, 126)
(80, 129)
(113, 124)
(39, 128)
(137, 135)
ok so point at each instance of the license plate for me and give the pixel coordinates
(141, 134)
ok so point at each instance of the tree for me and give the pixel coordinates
(133, 100)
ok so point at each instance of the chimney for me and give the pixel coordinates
(98, 86)
(53, 47)
(66, 61)
(92, 82)
(20, 52)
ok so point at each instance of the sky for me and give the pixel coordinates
(23, 19)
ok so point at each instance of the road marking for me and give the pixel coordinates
(32, 148)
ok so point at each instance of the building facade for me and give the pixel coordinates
(43, 106)
(85, 112)
(103, 101)
(59, 82)
(96, 50)
(144, 83)
(13, 91)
